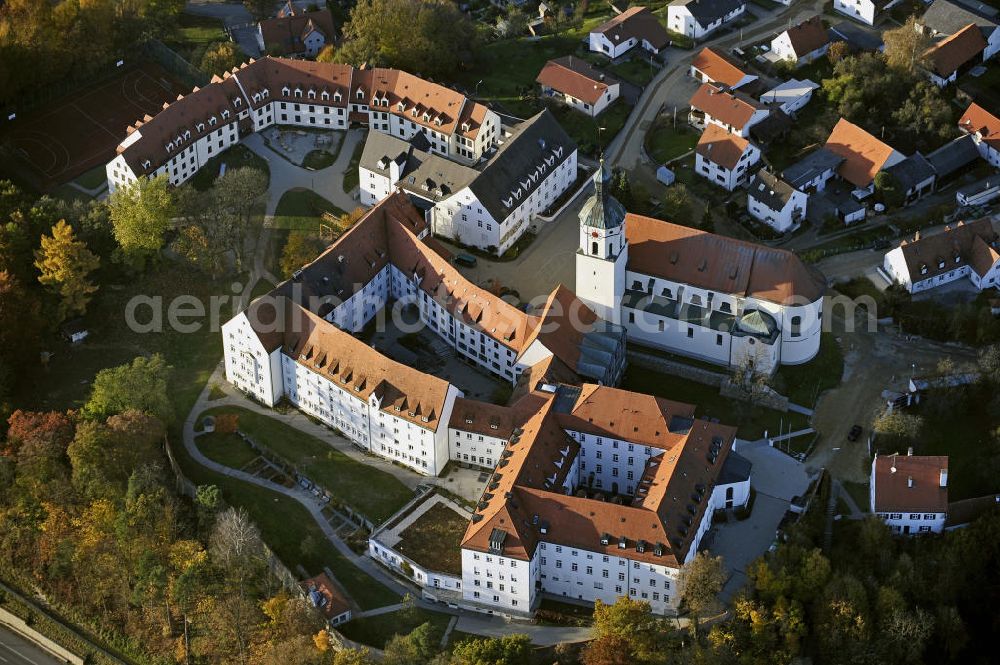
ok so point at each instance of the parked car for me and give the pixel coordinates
(855, 433)
(466, 260)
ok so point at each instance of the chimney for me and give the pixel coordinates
(943, 478)
(909, 451)
(909, 481)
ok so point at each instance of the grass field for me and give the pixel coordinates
(286, 526)
(750, 420)
(638, 70)
(666, 142)
(858, 492)
(235, 157)
(802, 384)
(377, 630)
(226, 448)
(351, 174)
(319, 159)
(434, 540)
(301, 210)
(368, 490)
(194, 33)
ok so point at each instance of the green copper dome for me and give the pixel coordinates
(602, 211)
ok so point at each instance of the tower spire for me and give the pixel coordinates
(602, 211)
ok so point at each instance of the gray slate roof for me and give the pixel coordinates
(856, 36)
(912, 171)
(707, 12)
(953, 155)
(537, 145)
(602, 211)
(770, 190)
(947, 17)
(811, 166)
(735, 469)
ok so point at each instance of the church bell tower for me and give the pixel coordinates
(603, 252)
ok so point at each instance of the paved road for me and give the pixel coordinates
(16, 650)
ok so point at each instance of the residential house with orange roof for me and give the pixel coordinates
(733, 111)
(697, 294)
(578, 84)
(600, 493)
(296, 342)
(863, 154)
(699, 18)
(967, 250)
(179, 140)
(636, 26)
(910, 492)
(327, 598)
(723, 158)
(713, 65)
(952, 55)
(984, 128)
(802, 43)
(944, 18)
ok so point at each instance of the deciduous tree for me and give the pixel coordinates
(140, 215)
(906, 46)
(701, 580)
(140, 385)
(64, 264)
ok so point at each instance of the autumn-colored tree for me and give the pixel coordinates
(838, 51)
(300, 249)
(631, 622)
(227, 423)
(513, 649)
(104, 455)
(220, 57)
(140, 215)
(64, 264)
(906, 46)
(701, 580)
(608, 650)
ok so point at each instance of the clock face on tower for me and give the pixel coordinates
(595, 234)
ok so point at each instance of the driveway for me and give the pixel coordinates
(235, 17)
(494, 626)
(777, 478)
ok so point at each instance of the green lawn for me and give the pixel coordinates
(286, 525)
(319, 159)
(803, 384)
(434, 540)
(858, 492)
(368, 490)
(226, 448)
(637, 70)
(584, 130)
(377, 630)
(193, 34)
(666, 142)
(751, 421)
(235, 157)
(301, 210)
(351, 174)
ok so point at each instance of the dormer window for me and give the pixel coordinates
(187, 134)
(265, 93)
(437, 121)
(311, 94)
(298, 93)
(324, 95)
(225, 114)
(401, 107)
(200, 127)
(941, 263)
(361, 94)
(285, 91)
(923, 268)
(465, 126)
(337, 96)
(958, 258)
(237, 101)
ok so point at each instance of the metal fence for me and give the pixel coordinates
(170, 60)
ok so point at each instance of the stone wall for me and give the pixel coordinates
(676, 368)
(769, 399)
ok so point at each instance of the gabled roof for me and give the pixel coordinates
(954, 155)
(719, 263)
(946, 18)
(721, 147)
(910, 483)
(980, 122)
(808, 36)
(770, 190)
(949, 54)
(635, 22)
(709, 11)
(734, 109)
(814, 164)
(325, 596)
(973, 244)
(286, 33)
(864, 155)
(575, 77)
(912, 171)
(719, 67)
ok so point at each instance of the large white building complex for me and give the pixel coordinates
(598, 493)
(488, 204)
(180, 139)
(296, 342)
(695, 293)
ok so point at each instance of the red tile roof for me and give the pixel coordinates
(287, 32)
(637, 22)
(864, 155)
(979, 121)
(950, 53)
(973, 243)
(808, 36)
(719, 263)
(893, 490)
(333, 601)
(575, 77)
(718, 67)
(721, 147)
(734, 110)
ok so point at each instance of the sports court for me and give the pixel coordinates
(57, 142)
